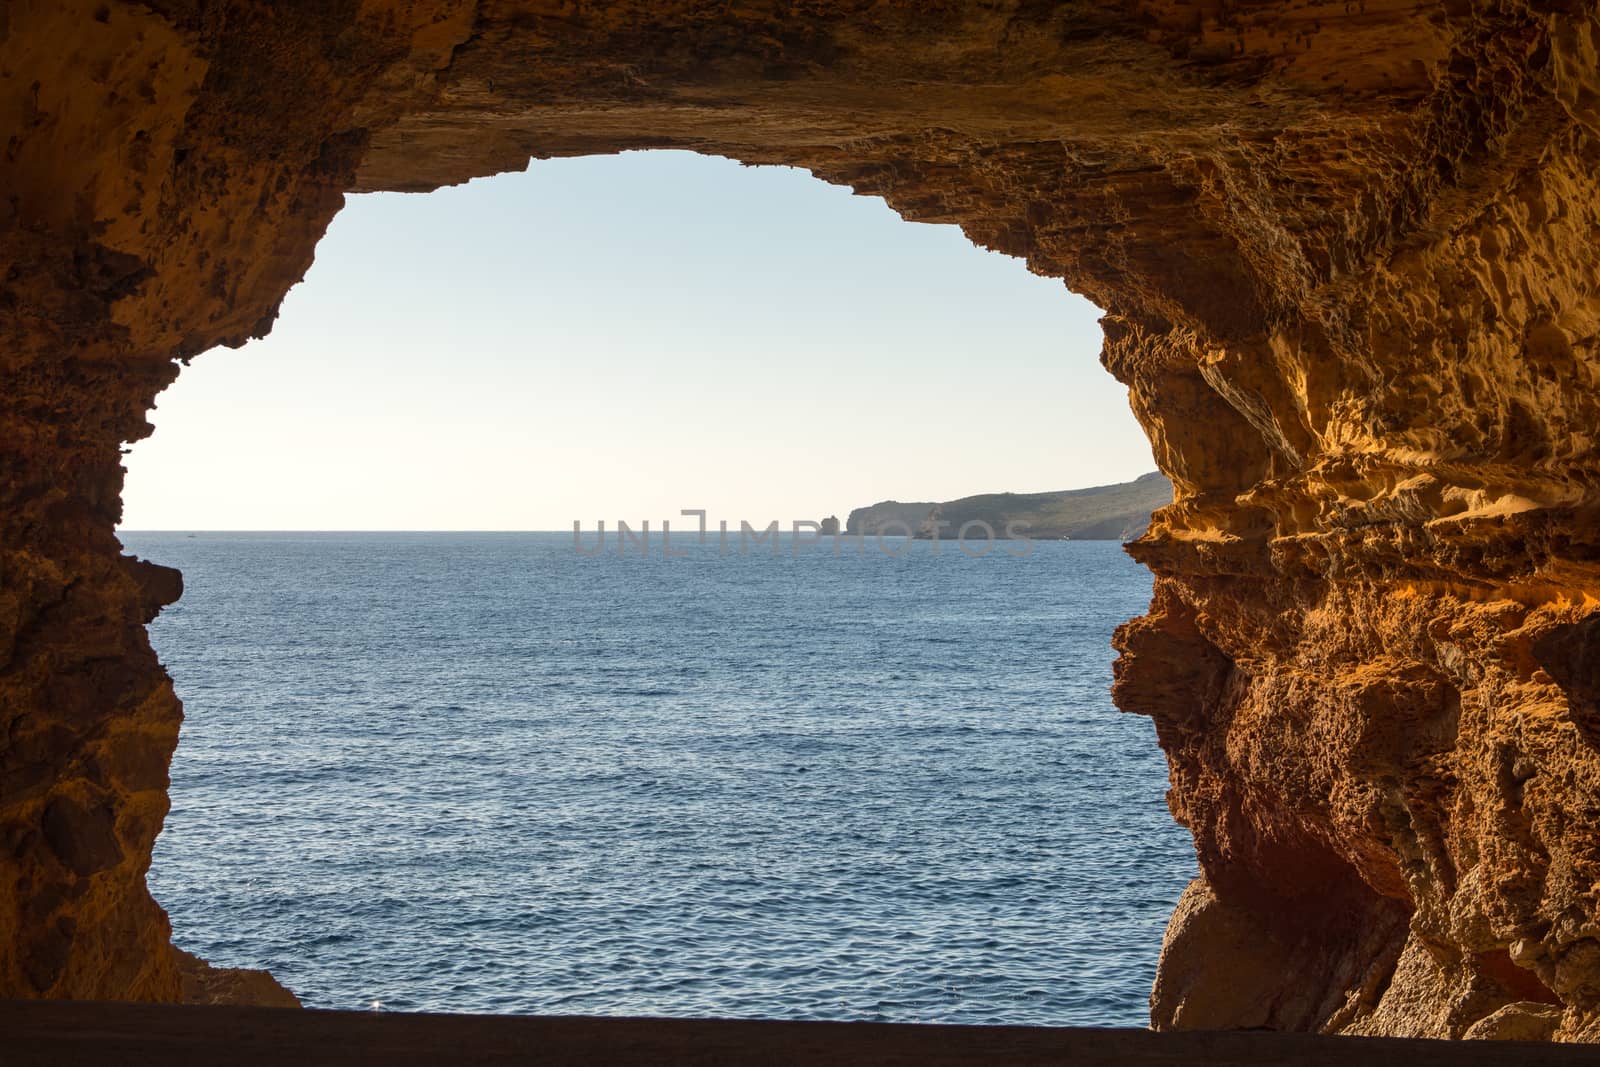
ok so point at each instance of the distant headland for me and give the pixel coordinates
(1118, 512)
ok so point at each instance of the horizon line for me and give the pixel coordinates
(252, 529)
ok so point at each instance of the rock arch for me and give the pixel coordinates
(1349, 256)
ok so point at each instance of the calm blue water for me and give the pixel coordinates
(477, 772)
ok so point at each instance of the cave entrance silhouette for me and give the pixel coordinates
(1347, 265)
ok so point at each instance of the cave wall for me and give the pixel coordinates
(1348, 253)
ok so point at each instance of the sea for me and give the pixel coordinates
(488, 772)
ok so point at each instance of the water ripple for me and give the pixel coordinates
(478, 773)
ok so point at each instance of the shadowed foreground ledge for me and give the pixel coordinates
(51, 1032)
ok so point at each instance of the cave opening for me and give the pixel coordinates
(475, 771)
(1348, 268)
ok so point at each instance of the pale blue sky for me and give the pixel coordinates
(625, 336)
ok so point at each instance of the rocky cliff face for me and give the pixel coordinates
(1349, 255)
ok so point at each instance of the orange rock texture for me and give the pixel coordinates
(1348, 251)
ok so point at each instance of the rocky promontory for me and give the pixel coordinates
(1117, 512)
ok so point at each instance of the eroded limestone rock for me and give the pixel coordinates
(1348, 253)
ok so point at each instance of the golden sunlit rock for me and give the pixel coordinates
(1348, 253)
